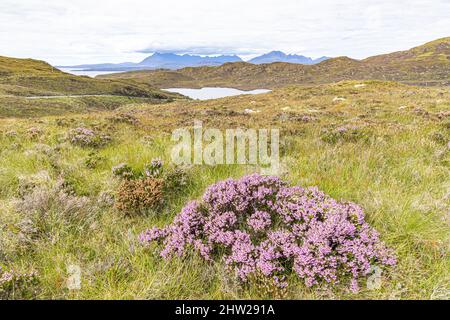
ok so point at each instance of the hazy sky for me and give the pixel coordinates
(90, 31)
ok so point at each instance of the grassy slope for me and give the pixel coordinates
(399, 176)
(20, 78)
(428, 64)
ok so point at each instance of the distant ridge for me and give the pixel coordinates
(428, 64)
(278, 56)
(174, 61)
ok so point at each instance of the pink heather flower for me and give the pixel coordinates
(259, 224)
(259, 220)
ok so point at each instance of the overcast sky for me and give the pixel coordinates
(91, 31)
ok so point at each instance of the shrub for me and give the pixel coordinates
(93, 160)
(62, 122)
(154, 168)
(85, 137)
(439, 137)
(58, 198)
(105, 199)
(176, 179)
(124, 118)
(123, 171)
(46, 205)
(16, 285)
(344, 134)
(294, 117)
(34, 133)
(258, 224)
(26, 184)
(43, 149)
(138, 196)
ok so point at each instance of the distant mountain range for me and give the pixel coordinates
(278, 56)
(428, 64)
(175, 61)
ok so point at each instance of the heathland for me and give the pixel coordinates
(78, 186)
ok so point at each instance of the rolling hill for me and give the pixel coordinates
(29, 87)
(25, 77)
(428, 64)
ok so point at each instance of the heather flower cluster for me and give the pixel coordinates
(260, 225)
(349, 133)
(34, 132)
(86, 137)
(16, 285)
(154, 168)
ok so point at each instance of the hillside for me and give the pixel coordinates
(428, 64)
(31, 77)
(23, 81)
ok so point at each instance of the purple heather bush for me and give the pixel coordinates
(259, 225)
(34, 133)
(154, 168)
(85, 137)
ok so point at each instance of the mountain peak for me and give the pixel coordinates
(177, 61)
(279, 56)
(174, 61)
(275, 53)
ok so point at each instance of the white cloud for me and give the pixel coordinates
(84, 31)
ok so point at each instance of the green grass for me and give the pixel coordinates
(20, 107)
(399, 175)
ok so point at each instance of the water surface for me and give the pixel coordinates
(213, 93)
(81, 72)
